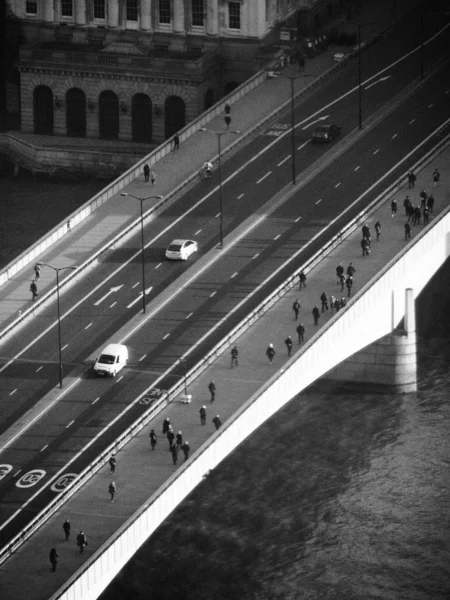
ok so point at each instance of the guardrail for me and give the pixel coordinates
(203, 364)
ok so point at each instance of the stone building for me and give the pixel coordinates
(135, 70)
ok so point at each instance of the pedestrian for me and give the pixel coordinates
(339, 272)
(410, 212)
(301, 280)
(34, 290)
(407, 231)
(112, 463)
(212, 390)
(176, 142)
(289, 343)
(417, 215)
(393, 208)
(296, 308)
(112, 490)
(430, 203)
(349, 283)
(301, 333)
(146, 170)
(366, 231)
(179, 439)
(166, 425)
(66, 528)
(324, 301)
(153, 439)
(426, 215)
(406, 204)
(174, 451)
(423, 202)
(81, 541)
(365, 247)
(202, 412)
(316, 315)
(234, 357)
(423, 195)
(152, 178)
(217, 422)
(378, 229)
(436, 177)
(351, 270)
(170, 438)
(186, 449)
(341, 280)
(54, 558)
(411, 179)
(270, 352)
(37, 271)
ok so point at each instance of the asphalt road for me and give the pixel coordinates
(191, 322)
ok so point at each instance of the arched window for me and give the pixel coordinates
(141, 118)
(108, 114)
(174, 114)
(43, 110)
(76, 113)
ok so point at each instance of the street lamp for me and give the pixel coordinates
(292, 79)
(219, 135)
(142, 200)
(57, 270)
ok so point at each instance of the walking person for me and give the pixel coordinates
(202, 412)
(378, 229)
(296, 308)
(179, 439)
(324, 301)
(176, 142)
(146, 170)
(436, 178)
(411, 179)
(426, 215)
(417, 215)
(234, 357)
(153, 439)
(316, 315)
(54, 558)
(152, 178)
(350, 270)
(112, 490)
(81, 541)
(166, 425)
(66, 528)
(112, 463)
(186, 449)
(349, 283)
(407, 231)
(270, 352)
(217, 422)
(289, 343)
(341, 280)
(37, 271)
(393, 208)
(301, 280)
(174, 452)
(430, 203)
(301, 333)
(339, 272)
(406, 204)
(170, 437)
(365, 247)
(34, 290)
(212, 390)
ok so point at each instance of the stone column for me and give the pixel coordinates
(113, 13)
(212, 17)
(146, 20)
(178, 16)
(80, 12)
(49, 11)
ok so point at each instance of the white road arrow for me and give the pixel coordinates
(378, 81)
(316, 121)
(147, 291)
(111, 291)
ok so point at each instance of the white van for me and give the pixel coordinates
(113, 358)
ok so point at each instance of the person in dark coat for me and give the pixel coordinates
(426, 215)
(316, 314)
(301, 280)
(179, 439)
(112, 490)
(349, 283)
(146, 173)
(351, 270)
(166, 425)
(341, 281)
(34, 290)
(339, 272)
(186, 449)
(417, 215)
(301, 333)
(170, 437)
(174, 451)
(234, 357)
(37, 271)
(202, 412)
(54, 558)
(212, 390)
(217, 422)
(411, 179)
(430, 203)
(407, 231)
(324, 301)
(378, 229)
(270, 352)
(81, 541)
(153, 439)
(406, 204)
(66, 528)
(112, 463)
(296, 308)
(393, 208)
(289, 343)
(176, 141)
(436, 177)
(365, 247)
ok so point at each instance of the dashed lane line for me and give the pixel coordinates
(39, 368)
(283, 161)
(234, 275)
(87, 326)
(276, 237)
(376, 151)
(255, 256)
(120, 379)
(135, 285)
(13, 392)
(213, 294)
(189, 315)
(64, 347)
(142, 358)
(96, 400)
(337, 185)
(297, 219)
(264, 176)
(357, 168)
(71, 423)
(157, 266)
(166, 336)
(113, 304)
(42, 449)
(197, 232)
(319, 201)
(411, 122)
(240, 196)
(394, 136)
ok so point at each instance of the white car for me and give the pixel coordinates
(181, 249)
(113, 358)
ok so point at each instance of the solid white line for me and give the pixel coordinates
(197, 232)
(276, 237)
(135, 285)
(42, 449)
(166, 336)
(376, 151)
(394, 136)
(87, 326)
(297, 219)
(142, 357)
(67, 426)
(157, 266)
(189, 315)
(213, 294)
(264, 177)
(319, 201)
(64, 347)
(240, 196)
(337, 185)
(13, 392)
(255, 256)
(411, 122)
(113, 304)
(234, 275)
(37, 370)
(96, 400)
(283, 161)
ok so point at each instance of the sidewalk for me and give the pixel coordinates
(115, 215)
(91, 510)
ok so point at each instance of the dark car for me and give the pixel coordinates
(326, 133)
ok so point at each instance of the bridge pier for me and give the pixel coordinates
(388, 365)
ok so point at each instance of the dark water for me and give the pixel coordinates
(338, 497)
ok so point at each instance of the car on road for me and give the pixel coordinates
(326, 133)
(113, 358)
(181, 249)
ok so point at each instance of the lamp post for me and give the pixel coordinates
(57, 270)
(219, 135)
(292, 78)
(142, 200)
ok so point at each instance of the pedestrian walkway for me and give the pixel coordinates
(139, 471)
(84, 240)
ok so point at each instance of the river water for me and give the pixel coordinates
(338, 497)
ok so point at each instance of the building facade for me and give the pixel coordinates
(134, 70)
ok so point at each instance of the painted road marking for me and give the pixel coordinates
(142, 357)
(13, 392)
(166, 336)
(113, 304)
(264, 176)
(431, 106)
(240, 196)
(217, 216)
(120, 379)
(64, 347)
(135, 285)
(42, 449)
(31, 478)
(38, 369)
(189, 315)
(277, 236)
(234, 275)
(87, 326)
(17, 472)
(378, 81)
(213, 294)
(303, 145)
(376, 151)
(197, 232)
(357, 168)
(297, 219)
(96, 400)
(71, 422)
(316, 121)
(337, 185)
(111, 291)
(411, 122)
(255, 256)
(394, 136)
(283, 161)
(147, 291)
(319, 201)
(157, 266)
